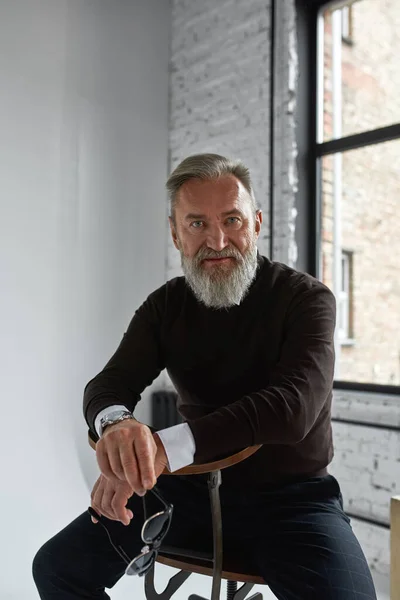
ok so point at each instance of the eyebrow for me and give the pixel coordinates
(234, 211)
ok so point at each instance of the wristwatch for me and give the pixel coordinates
(113, 417)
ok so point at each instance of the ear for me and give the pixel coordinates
(259, 220)
(173, 232)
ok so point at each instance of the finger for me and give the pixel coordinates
(92, 495)
(102, 459)
(145, 451)
(96, 485)
(98, 502)
(106, 503)
(131, 467)
(119, 503)
(94, 519)
(114, 459)
(95, 498)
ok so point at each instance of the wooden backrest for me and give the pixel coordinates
(216, 465)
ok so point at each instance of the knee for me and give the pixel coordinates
(44, 566)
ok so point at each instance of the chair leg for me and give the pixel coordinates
(174, 583)
(239, 595)
(231, 589)
(243, 591)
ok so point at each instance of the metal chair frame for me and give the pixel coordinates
(198, 563)
(233, 593)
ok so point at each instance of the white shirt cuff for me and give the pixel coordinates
(179, 445)
(105, 411)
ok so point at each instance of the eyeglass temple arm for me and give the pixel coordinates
(117, 549)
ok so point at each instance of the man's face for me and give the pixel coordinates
(216, 231)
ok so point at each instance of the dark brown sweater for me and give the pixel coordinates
(257, 373)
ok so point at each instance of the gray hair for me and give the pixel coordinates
(207, 166)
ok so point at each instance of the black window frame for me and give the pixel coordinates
(310, 154)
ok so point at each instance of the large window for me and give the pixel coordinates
(358, 188)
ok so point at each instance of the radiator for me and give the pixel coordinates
(164, 413)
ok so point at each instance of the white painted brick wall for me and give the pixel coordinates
(220, 90)
(220, 101)
(285, 148)
(367, 465)
(375, 542)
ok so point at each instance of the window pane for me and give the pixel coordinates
(361, 194)
(362, 91)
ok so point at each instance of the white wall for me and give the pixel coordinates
(83, 161)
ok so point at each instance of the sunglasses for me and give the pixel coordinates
(154, 530)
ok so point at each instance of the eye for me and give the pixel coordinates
(196, 224)
(233, 220)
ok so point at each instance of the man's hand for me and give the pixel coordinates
(126, 452)
(129, 452)
(109, 498)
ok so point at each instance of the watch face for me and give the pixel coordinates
(116, 414)
(113, 417)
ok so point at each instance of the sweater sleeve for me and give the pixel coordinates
(285, 411)
(136, 363)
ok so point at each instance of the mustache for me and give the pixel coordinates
(205, 253)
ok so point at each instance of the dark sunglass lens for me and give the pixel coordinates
(140, 564)
(155, 527)
(147, 564)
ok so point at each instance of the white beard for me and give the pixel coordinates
(223, 286)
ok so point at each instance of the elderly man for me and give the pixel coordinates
(248, 344)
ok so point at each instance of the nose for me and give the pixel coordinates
(216, 238)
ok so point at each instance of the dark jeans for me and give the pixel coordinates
(296, 534)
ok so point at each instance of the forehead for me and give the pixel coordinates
(213, 194)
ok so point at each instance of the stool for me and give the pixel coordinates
(217, 565)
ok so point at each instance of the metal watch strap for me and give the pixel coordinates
(113, 417)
